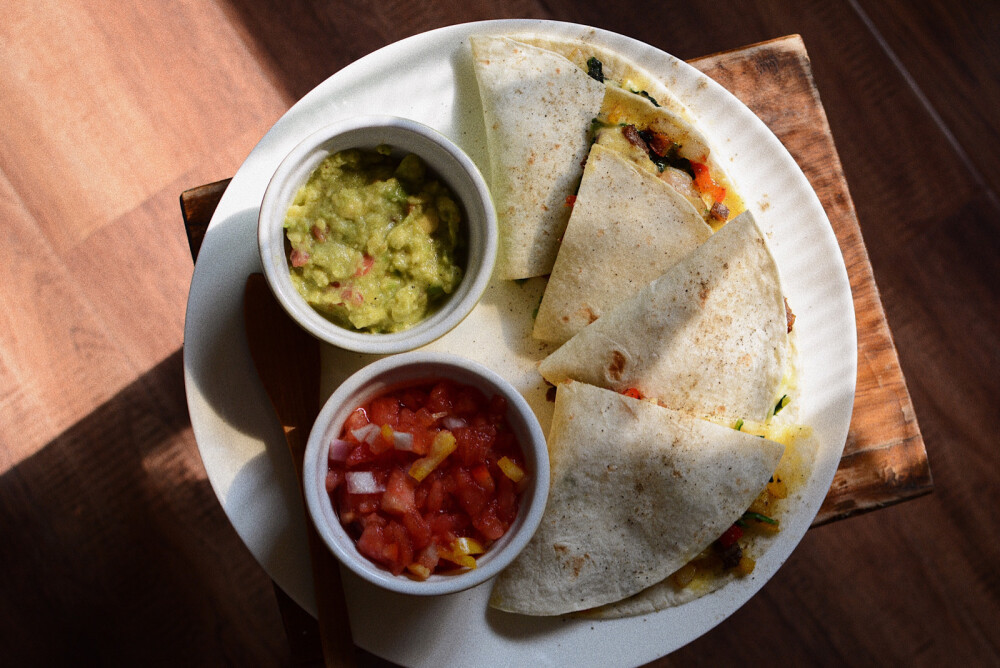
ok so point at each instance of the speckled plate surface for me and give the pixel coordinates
(429, 78)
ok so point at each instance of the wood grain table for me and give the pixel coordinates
(884, 460)
(116, 550)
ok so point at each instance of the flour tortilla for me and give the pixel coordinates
(618, 70)
(635, 97)
(537, 107)
(627, 228)
(636, 492)
(707, 337)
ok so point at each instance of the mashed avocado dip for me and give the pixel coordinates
(373, 240)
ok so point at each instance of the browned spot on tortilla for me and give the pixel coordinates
(704, 292)
(565, 318)
(576, 563)
(559, 547)
(789, 316)
(590, 315)
(617, 365)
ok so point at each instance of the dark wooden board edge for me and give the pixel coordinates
(884, 460)
(197, 206)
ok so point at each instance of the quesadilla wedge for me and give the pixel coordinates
(637, 491)
(627, 228)
(660, 132)
(545, 100)
(537, 108)
(709, 336)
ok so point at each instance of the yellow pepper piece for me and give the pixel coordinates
(419, 571)
(511, 469)
(444, 444)
(387, 433)
(746, 566)
(466, 560)
(467, 546)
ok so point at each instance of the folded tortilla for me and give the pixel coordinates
(635, 97)
(707, 337)
(537, 107)
(627, 227)
(539, 103)
(637, 491)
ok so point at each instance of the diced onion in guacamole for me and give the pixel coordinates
(374, 240)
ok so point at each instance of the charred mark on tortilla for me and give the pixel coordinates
(706, 289)
(617, 366)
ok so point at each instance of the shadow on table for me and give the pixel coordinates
(115, 549)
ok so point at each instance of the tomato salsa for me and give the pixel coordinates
(427, 476)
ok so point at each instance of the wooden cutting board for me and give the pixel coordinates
(884, 460)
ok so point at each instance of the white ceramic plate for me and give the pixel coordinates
(429, 78)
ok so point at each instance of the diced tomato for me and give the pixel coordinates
(474, 443)
(418, 528)
(570, 200)
(384, 410)
(731, 535)
(467, 403)
(413, 398)
(447, 492)
(398, 496)
(481, 474)
(444, 527)
(424, 418)
(357, 419)
(439, 400)
(633, 392)
(470, 495)
(398, 536)
(436, 495)
(489, 524)
(360, 455)
(371, 543)
(497, 406)
(334, 477)
(506, 499)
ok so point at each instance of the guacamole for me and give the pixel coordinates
(374, 240)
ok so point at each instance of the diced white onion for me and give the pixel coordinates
(367, 434)
(402, 441)
(339, 449)
(452, 422)
(362, 482)
(438, 416)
